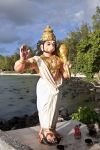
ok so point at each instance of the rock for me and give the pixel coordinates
(63, 112)
(20, 122)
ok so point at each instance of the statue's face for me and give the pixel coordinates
(48, 46)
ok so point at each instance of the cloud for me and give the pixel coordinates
(8, 33)
(92, 4)
(18, 12)
(79, 14)
(22, 12)
(48, 11)
(8, 38)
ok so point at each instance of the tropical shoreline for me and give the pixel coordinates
(14, 73)
(27, 74)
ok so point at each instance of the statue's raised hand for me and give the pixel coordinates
(24, 52)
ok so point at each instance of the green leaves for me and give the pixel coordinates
(84, 47)
(88, 55)
(85, 115)
(7, 63)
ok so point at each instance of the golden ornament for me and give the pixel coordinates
(63, 53)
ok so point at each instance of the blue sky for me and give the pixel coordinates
(23, 21)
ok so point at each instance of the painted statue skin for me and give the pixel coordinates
(52, 69)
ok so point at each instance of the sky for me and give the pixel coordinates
(23, 21)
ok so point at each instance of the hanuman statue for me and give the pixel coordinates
(52, 69)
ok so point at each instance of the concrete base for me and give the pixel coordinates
(7, 142)
(29, 137)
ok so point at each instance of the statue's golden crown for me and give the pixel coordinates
(48, 34)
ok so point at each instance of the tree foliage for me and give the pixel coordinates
(7, 62)
(84, 47)
(88, 55)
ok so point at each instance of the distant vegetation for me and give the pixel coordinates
(83, 45)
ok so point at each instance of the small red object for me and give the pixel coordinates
(77, 132)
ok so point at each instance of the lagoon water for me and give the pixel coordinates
(17, 95)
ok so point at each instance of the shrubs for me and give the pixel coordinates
(86, 115)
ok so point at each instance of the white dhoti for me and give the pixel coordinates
(48, 96)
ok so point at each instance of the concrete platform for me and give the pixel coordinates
(29, 137)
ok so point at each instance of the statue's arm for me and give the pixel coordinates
(25, 62)
(23, 65)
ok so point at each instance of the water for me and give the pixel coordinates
(17, 95)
